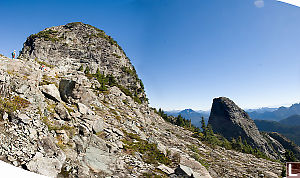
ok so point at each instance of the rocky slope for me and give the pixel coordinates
(230, 121)
(57, 122)
(77, 44)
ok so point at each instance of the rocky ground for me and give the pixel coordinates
(88, 137)
(61, 122)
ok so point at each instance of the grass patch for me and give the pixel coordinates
(54, 127)
(11, 104)
(197, 157)
(46, 81)
(150, 153)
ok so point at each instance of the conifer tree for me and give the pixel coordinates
(203, 127)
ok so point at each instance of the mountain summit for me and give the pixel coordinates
(230, 121)
(76, 45)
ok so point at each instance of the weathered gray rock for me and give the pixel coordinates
(45, 166)
(83, 109)
(165, 169)
(51, 92)
(23, 89)
(99, 160)
(62, 112)
(24, 118)
(98, 125)
(227, 119)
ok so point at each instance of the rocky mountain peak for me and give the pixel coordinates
(230, 121)
(81, 46)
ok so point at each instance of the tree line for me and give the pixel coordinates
(206, 135)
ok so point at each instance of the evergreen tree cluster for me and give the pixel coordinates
(235, 144)
(289, 156)
(109, 80)
(207, 136)
(179, 121)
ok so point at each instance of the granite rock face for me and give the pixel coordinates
(230, 121)
(78, 44)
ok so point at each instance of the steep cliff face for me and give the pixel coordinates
(78, 44)
(57, 122)
(227, 119)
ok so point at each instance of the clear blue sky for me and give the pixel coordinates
(186, 51)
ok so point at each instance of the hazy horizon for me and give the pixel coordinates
(208, 109)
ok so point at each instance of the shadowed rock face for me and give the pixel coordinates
(227, 119)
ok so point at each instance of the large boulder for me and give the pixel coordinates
(51, 92)
(45, 165)
(62, 112)
(66, 88)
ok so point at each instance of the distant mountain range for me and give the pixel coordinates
(289, 127)
(261, 110)
(284, 120)
(274, 114)
(265, 113)
(195, 116)
(293, 120)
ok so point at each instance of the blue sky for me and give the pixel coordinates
(186, 51)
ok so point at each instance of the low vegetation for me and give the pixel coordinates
(45, 80)
(11, 104)
(51, 126)
(207, 136)
(106, 81)
(150, 153)
(47, 35)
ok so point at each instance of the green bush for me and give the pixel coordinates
(289, 156)
(125, 91)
